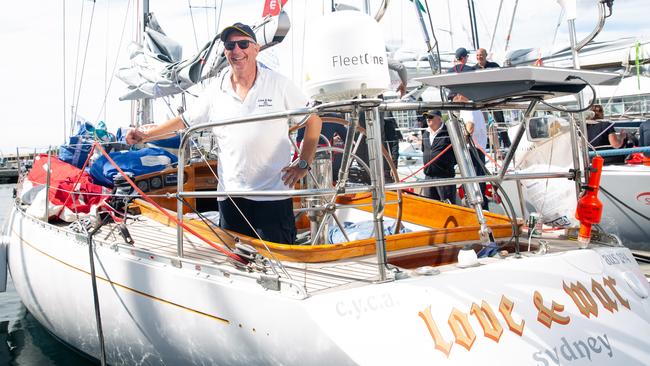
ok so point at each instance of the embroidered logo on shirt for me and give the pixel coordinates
(265, 102)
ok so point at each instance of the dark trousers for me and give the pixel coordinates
(440, 193)
(478, 167)
(272, 220)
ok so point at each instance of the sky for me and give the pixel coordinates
(38, 91)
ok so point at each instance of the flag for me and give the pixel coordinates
(420, 5)
(272, 7)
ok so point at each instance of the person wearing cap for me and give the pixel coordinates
(252, 156)
(461, 61)
(460, 66)
(435, 140)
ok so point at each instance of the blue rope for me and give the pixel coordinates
(618, 152)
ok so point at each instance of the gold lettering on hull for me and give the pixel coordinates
(462, 330)
(546, 315)
(465, 336)
(603, 297)
(505, 308)
(489, 322)
(611, 283)
(438, 341)
(582, 298)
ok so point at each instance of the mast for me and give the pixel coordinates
(142, 108)
(494, 32)
(65, 137)
(512, 22)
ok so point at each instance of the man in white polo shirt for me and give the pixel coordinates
(477, 129)
(252, 156)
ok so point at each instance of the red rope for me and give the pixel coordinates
(429, 163)
(169, 216)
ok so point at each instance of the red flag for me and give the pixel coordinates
(272, 8)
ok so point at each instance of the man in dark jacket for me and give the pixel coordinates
(434, 140)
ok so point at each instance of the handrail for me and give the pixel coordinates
(365, 189)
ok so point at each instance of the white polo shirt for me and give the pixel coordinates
(480, 128)
(251, 155)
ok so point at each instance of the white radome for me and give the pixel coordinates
(345, 56)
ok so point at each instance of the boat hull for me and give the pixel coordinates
(502, 311)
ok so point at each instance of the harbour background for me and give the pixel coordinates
(23, 341)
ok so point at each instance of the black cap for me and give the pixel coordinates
(240, 28)
(461, 52)
(433, 112)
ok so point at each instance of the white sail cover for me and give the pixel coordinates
(157, 70)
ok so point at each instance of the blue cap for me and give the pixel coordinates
(433, 112)
(461, 52)
(239, 28)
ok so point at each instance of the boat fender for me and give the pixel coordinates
(589, 209)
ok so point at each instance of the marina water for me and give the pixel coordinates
(23, 341)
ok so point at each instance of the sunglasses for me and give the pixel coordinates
(243, 44)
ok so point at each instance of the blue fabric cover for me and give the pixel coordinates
(170, 143)
(79, 145)
(137, 162)
(360, 230)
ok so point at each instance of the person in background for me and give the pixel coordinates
(434, 141)
(460, 61)
(644, 136)
(477, 131)
(601, 132)
(483, 63)
(252, 156)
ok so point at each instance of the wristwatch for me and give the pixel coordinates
(303, 164)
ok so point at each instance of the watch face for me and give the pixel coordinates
(302, 164)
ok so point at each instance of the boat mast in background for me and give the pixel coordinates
(141, 109)
(512, 22)
(472, 24)
(494, 32)
(65, 126)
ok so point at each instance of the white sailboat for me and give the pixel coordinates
(153, 290)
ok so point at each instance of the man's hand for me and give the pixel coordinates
(134, 136)
(292, 174)
(401, 89)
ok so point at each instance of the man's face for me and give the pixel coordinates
(434, 122)
(481, 57)
(241, 59)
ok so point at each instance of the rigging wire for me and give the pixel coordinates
(110, 82)
(73, 114)
(512, 22)
(196, 41)
(494, 32)
(83, 64)
(610, 195)
(207, 18)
